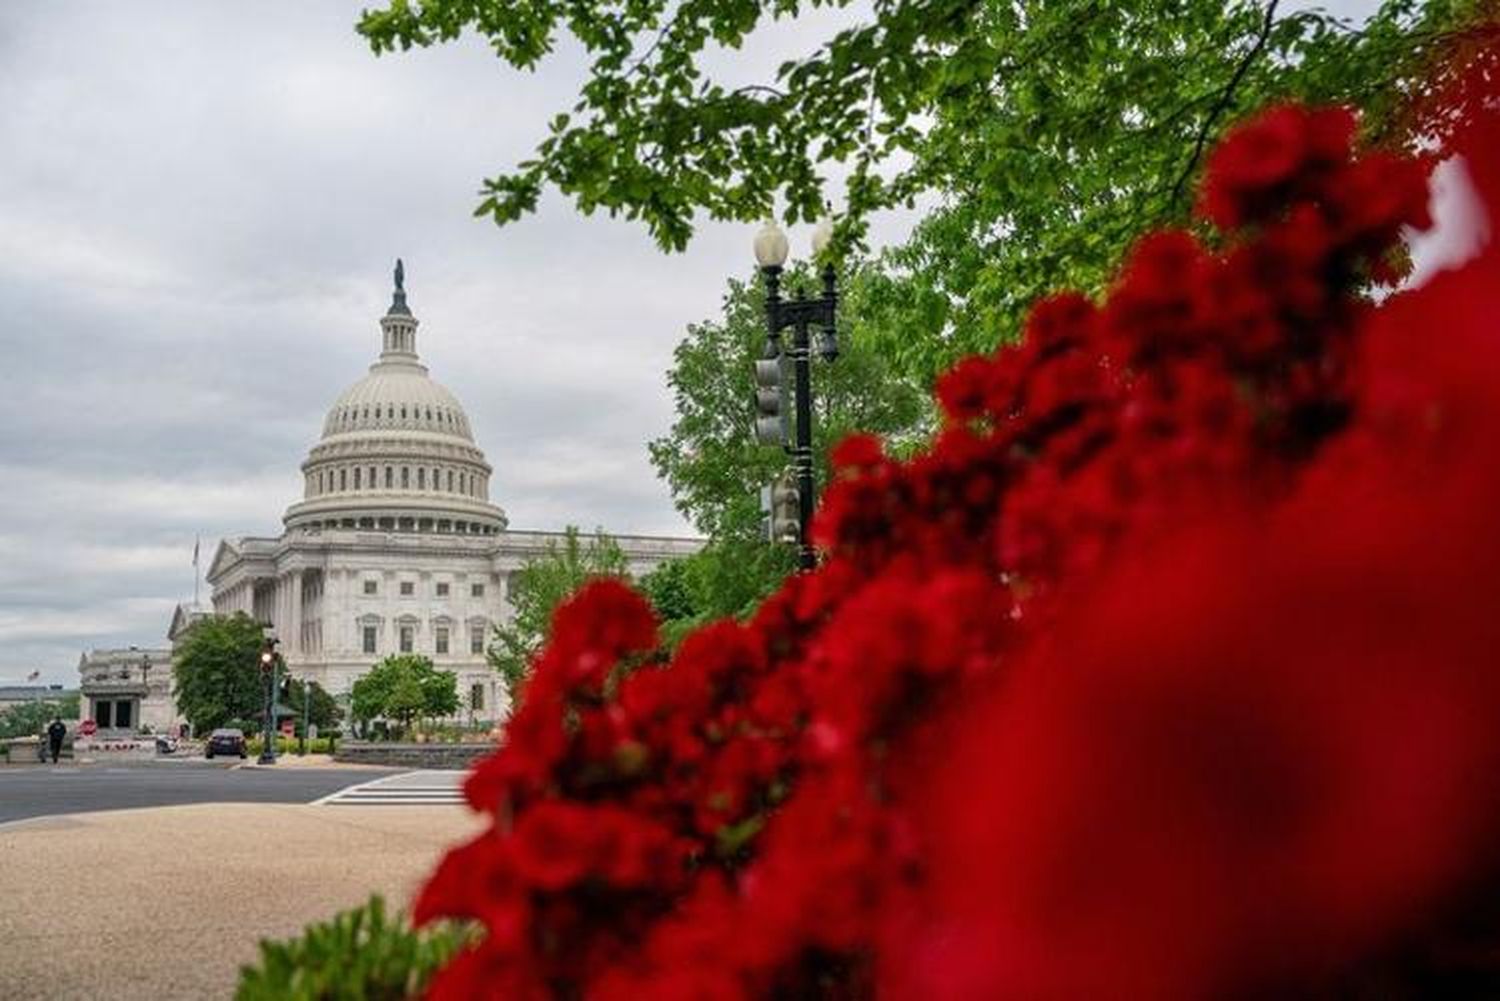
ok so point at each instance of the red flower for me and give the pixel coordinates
(1163, 671)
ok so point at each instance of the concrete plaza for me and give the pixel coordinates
(168, 902)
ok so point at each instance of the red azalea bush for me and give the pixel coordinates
(1164, 672)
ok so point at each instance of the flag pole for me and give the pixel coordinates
(196, 575)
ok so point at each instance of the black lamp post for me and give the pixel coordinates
(268, 664)
(146, 684)
(799, 313)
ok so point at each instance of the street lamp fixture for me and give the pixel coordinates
(798, 313)
(269, 661)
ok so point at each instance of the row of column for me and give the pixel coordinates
(288, 614)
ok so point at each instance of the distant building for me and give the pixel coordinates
(125, 690)
(13, 695)
(395, 546)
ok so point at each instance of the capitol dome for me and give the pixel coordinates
(397, 452)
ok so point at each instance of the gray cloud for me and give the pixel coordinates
(199, 206)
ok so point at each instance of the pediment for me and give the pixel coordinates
(225, 556)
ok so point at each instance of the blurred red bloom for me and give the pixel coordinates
(1164, 671)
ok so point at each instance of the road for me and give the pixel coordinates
(41, 791)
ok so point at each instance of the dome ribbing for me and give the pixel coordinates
(397, 452)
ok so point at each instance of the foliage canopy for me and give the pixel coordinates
(216, 672)
(1042, 134)
(28, 719)
(404, 687)
(536, 590)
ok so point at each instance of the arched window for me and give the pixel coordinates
(372, 478)
(403, 411)
(356, 477)
(405, 478)
(388, 475)
(450, 481)
(421, 478)
(343, 479)
(320, 481)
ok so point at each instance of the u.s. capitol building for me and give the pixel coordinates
(395, 545)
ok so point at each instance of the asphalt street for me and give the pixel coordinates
(41, 791)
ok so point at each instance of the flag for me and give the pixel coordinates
(34, 675)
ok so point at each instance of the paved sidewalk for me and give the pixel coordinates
(167, 903)
(309, 761)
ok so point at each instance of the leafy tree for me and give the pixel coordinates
(726, 578)
(542, 584)
(439, 693)
(322, 707)
(1047, 132)
(1058, 113)
(404, 687)
(216, 671)
(28, 719)
(1096, 132)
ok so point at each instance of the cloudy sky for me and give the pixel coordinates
(200, 204)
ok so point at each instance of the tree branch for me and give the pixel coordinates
(1224, 99)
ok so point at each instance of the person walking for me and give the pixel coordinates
(55, 734)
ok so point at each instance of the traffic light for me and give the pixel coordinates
(267, 655)
(785, 510)
(770, 401)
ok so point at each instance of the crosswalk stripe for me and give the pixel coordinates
(424, 788)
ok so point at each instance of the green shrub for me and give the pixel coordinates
(360, 954)
(289, 745)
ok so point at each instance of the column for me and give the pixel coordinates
(294, 634)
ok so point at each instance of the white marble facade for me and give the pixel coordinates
(395, 544)
(128, 690)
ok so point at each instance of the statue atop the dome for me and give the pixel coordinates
(398, 297)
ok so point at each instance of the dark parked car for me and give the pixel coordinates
(225, 741)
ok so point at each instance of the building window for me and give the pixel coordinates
(442, 639)
(371, 480)
(369, 639)
(371, 587)
(450, 481)
(476, 697)
(343, 479)
(407, 633)
(476, 639)
(388, 474)
(356, 477)
(421, 478)
(442, 589)
(407, 589)
(476, 590)
(405, 478)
